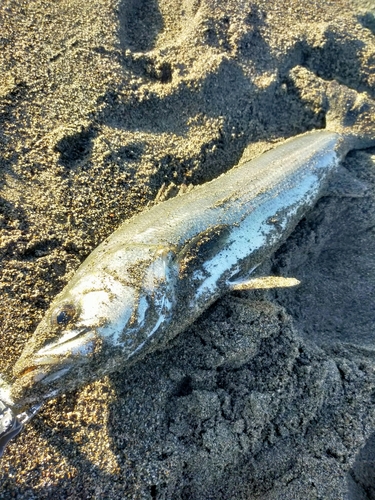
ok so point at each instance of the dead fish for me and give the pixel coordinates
(162, 268)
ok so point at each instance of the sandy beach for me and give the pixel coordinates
(270, 394)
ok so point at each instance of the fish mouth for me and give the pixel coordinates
(55, 360)
(75, 342)
(44, 374)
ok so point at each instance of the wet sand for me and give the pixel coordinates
(269, 395)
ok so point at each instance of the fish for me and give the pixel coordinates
(162, 268)
(158, 272)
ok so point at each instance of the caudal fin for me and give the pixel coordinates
(349, 113)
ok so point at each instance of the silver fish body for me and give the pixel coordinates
(162, 268)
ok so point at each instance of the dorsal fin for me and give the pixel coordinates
(171, 191)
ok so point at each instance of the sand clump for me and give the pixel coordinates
(268, 395)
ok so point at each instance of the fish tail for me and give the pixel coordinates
(347, 112)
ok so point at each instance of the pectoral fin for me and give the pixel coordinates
(264, 282)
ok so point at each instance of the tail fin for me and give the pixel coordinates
(349, 113)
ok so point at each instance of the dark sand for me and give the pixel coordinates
(270, 395)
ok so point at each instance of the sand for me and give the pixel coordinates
(269, 395)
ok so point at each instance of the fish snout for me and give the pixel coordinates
(43, 374)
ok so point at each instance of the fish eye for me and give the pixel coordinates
(64, 315)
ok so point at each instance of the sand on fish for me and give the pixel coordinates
(268, 395)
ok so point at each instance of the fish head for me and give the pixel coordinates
(104, 316)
